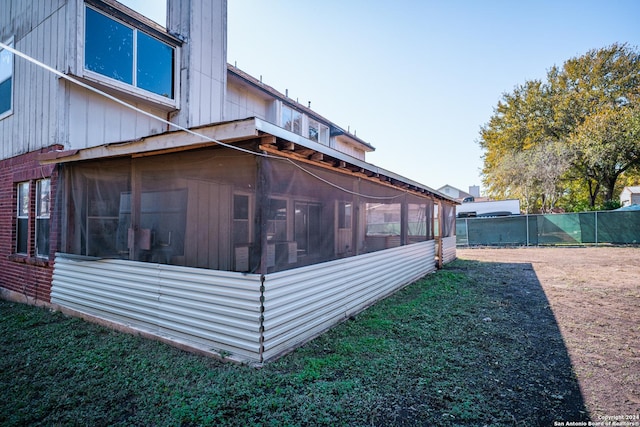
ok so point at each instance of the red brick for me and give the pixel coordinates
(27, 275)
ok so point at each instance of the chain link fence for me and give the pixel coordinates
(611, 227)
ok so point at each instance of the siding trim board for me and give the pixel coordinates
(221, 312)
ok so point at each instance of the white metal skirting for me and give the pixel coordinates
(448, 249)
(221, 311)
(301, 303)
(213, 310)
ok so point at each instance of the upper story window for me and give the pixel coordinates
(6, 81)
(291, 120)
(318, 132)
(128, 55)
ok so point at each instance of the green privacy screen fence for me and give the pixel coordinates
(615, 227)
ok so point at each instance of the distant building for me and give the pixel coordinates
(630, 196)
(473, 205)
(462, 196)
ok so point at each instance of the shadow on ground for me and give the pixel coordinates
(525, 355)
(475, 344)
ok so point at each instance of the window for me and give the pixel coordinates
(318, 132)
(22, 223)
(383, 219)
(107, 203)
(127, 55)
(43, 219)
(43, 204)
(291, 119)
(277, 220)
(344, 215)
(308, 228)
(38, 231)
(241, 219)
(417, 221)
(6, 81)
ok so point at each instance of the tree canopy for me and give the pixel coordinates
(567, 141)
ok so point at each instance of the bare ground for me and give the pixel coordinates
(594, 294)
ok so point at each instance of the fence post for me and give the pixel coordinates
(596, 221)
(466, 229)
(527, 222)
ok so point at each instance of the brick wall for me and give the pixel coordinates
(26, 275)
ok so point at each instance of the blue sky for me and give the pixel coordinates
(416, 79)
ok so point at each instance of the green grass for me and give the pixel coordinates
(424, 356)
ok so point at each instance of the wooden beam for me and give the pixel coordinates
(287, 145)
(329, 164)
(317, 157)
(268, 139)
(306, 152)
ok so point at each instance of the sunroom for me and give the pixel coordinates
(245, 248)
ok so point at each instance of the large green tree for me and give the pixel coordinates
(569, 138)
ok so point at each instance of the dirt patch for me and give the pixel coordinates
(594, 294)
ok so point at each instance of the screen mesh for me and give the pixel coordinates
(221, 209)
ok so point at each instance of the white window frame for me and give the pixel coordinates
(20, 215)
(323, 131)
(12, 77)
(250, 213)
(159, 100)
(272, 224)
(43, 212)
(294, 113)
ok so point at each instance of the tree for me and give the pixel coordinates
(608, 143)
(580, 126)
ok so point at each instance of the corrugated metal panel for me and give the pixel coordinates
(301, 303)
(208, 309)
(449, 249)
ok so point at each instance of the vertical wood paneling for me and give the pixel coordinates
(241, 103)
(46, 109)
(224, 204)
(39, 29)
(208, 234)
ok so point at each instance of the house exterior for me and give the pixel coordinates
(149, 185)
(630, 196)
(462, 196)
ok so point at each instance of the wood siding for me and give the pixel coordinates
(38, 28)
(49, 110)
(241, 103)
(92, 120)
(203, 69)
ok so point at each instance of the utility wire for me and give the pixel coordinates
(178, 127)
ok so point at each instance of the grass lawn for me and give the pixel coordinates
(451, 349)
